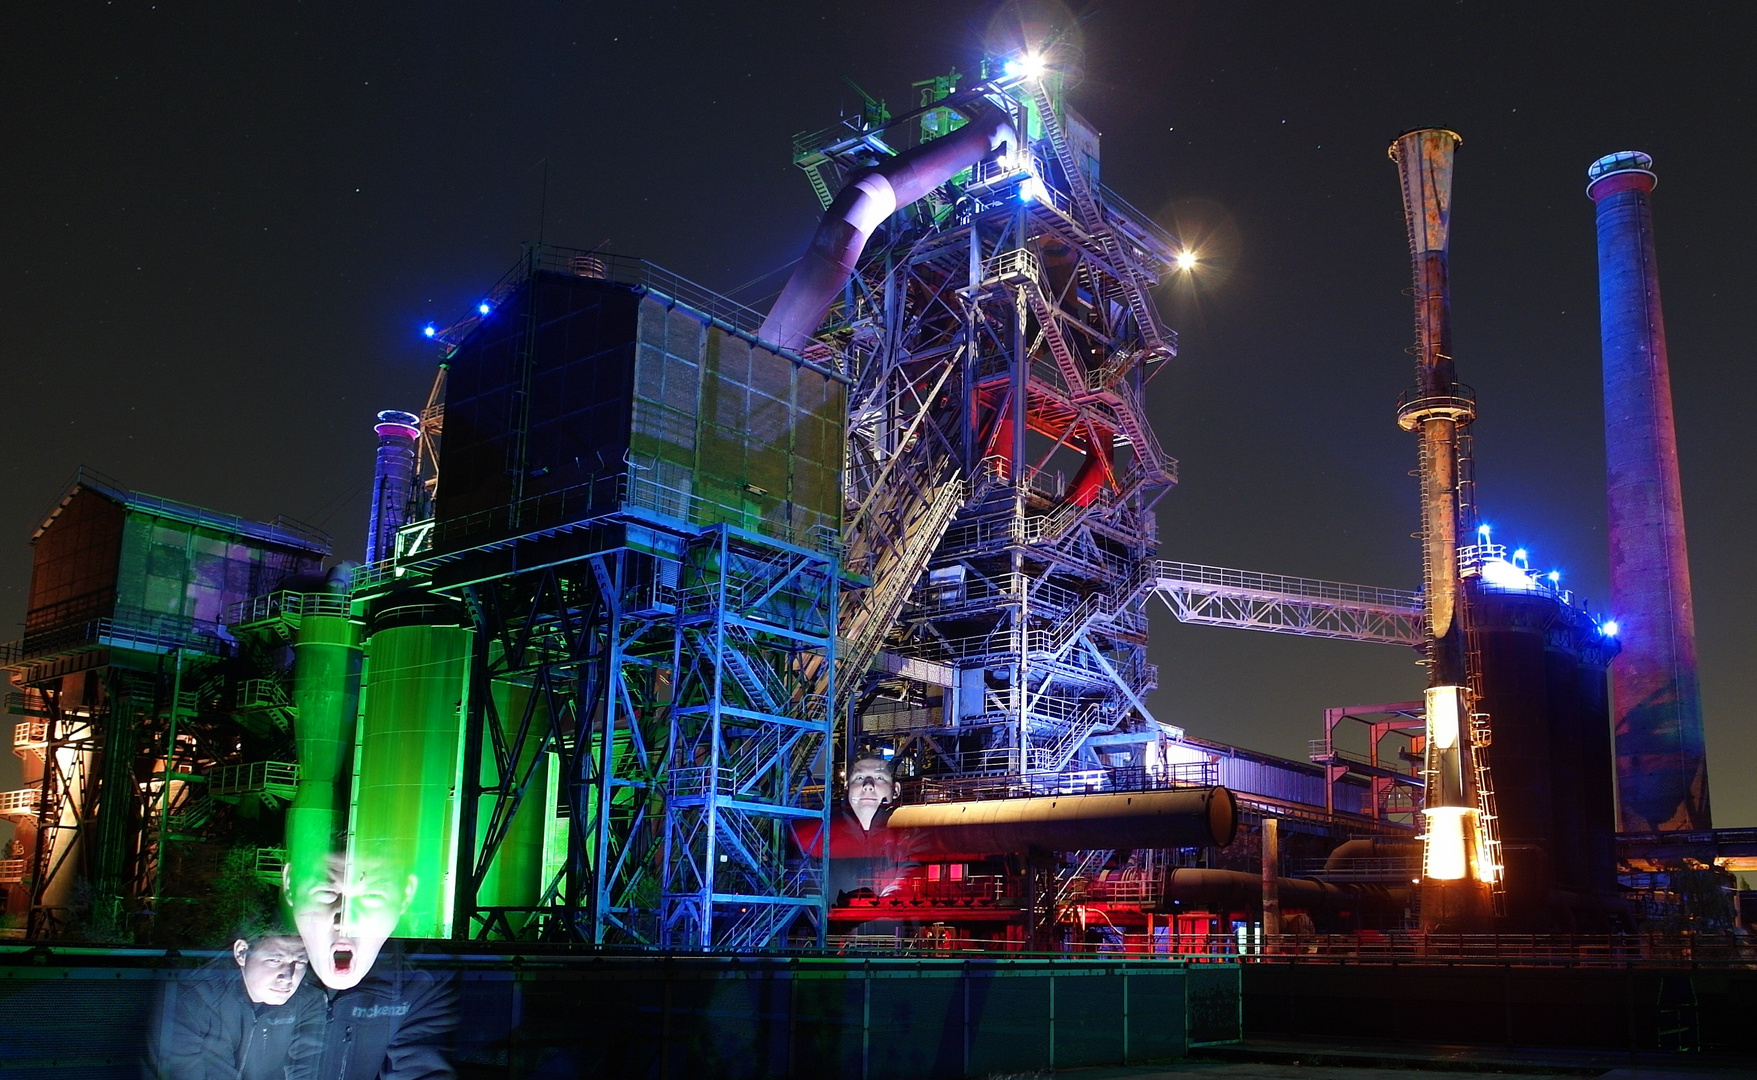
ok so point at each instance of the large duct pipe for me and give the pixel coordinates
(1371, 847)
(1662, 764)
(1237, 890)
(863, 205)
(393, 482)
(1188, 817)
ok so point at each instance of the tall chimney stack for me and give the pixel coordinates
(1461, 864)
(1662, 765)
(393, 482)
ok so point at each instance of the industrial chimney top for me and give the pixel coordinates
(1620, 171)
(397, 422)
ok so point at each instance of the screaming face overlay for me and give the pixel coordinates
(345, 913)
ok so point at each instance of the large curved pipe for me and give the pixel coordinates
(863, 205)
(1186, 817)
(1373, 847)
(1236, 890)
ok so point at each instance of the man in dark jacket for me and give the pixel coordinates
(393, 1024)
(246, 1016)
(382, 1020)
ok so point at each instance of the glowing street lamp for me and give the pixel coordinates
(1029, 66)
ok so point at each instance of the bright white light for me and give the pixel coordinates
(429, 331)
(1609, 628)
(1483, 530)
(1031, 189)
(1504, 575)
(1446, 855)
(1031, 65)
(1186, 260)
(482, 308)
(1555, 576)
(1519, 555)
(1444, 710)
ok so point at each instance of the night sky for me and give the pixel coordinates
(226, 224)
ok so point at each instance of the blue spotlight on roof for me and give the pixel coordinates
(1483, 531)
(429, 330)
(1555, 576)
(483, 308)
(1608, 628)
(1519, 554)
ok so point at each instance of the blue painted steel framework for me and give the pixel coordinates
(679, 675)
(1000, 330)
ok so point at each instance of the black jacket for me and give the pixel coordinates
(395, 1025)
(207, 1028)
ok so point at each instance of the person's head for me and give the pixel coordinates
(871, 784)
(346, 914)
(273, 965)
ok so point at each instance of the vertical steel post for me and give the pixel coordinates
(1271, 877)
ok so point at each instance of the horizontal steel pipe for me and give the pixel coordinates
(1188, 817)
(1236, 890)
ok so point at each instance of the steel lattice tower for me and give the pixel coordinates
(1001, 472)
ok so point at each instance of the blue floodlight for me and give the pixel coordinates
(1519, 553)
(1555, 576)
(1608, 628)
(483, 308)
(1012, 69)
(1483, 530)
(429, 330)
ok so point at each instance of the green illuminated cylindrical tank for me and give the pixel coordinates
(406, 786)
(515, 877)
(326, 695)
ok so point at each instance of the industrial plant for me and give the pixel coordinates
(656, 584)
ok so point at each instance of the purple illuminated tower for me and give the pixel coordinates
(393, 482)
(1662, 767)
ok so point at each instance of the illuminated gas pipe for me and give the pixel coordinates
(1188, 817)
(863, 205)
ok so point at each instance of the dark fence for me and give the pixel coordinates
(1627, 1009)
(84, 1013)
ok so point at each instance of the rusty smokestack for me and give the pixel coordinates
(1662, 761)
(1460, 854)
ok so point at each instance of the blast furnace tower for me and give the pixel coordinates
(1001, 333)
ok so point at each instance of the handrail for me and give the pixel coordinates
(1401, 601)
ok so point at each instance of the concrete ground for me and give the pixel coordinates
(1205, 1070)
(1290, 1059)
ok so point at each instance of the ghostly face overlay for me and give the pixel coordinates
(869, 787)
(345, 914)
(273, 967)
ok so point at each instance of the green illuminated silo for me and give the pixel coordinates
(406, 786)
(515, 877)
(326, 692)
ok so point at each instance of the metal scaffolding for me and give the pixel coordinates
(1001, 335)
